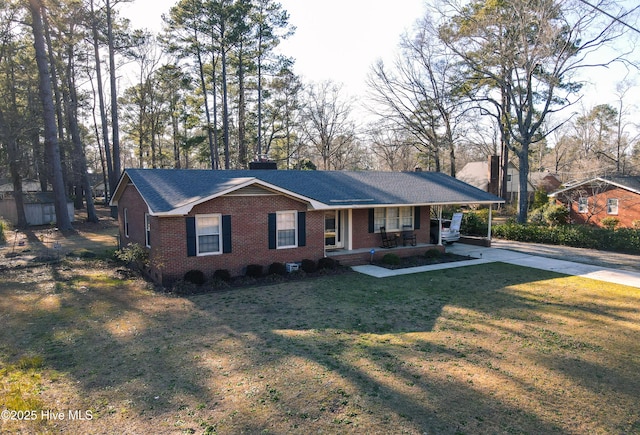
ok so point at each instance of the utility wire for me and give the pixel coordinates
(611, 16)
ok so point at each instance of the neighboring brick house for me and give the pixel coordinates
(208, 220)
(592, 200)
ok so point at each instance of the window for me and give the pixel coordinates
(393, 218)
(147, 230)
(286, 229)
(379, 218)
(126, 222)
(208, 234)
(583, 205)
(612, 206)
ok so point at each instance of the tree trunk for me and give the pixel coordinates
(79, 154)
(114, 107)
(7, 136)
(207, 112)
(242, 142)
(103, 113)
(523, 198)
(259, 150)
(49, 117)
(225, 103)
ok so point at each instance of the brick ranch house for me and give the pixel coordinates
(208, 220)
(592, 200)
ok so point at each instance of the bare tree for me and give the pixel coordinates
(530, 51)
(326, 121)
(393, 148)
(419, 93)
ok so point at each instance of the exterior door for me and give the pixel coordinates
(333, 229)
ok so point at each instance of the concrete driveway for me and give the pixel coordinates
(599, 265)
(607, 259)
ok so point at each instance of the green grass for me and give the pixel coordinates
(485, 349)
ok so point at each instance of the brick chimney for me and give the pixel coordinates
(494, 175)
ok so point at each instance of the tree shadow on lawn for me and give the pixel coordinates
(389, 326)
(380, 337)
(338, 354)
(121, 351)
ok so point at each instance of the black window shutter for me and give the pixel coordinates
(191, 236)
(416, 217)
(371, 220)
(302, 228)
(226, 234)
(272, 231)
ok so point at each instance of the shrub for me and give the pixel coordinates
(254, 271)
(277, 269)
(433, 253)
(3, 228)
(475, 223)
(327, 263)
(222, 275)
(540, 199)
(133, 254)
(391, 259)
(195, 277)
(610, 222)
(309, 266)
(556, 214)
(579, 236)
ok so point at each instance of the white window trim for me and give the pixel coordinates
(609, 201)
(295, 229)
(126, 222)
(219, 251)
(401, 217)
(586, 204)
(147, 230)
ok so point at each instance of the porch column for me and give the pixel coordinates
(439, 225)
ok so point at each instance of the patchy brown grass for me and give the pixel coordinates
(483, 349)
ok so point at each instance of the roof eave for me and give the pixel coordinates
(591, 180)
(185, 209)
(376, 205)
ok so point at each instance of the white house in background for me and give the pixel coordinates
(478, 175)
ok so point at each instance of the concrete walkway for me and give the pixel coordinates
(519, 258)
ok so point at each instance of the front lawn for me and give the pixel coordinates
(492, 348)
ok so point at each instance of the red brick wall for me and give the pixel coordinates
(136, 208)
(249, 238)
(362, 238)
(628, 207)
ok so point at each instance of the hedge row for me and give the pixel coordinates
(578, 236)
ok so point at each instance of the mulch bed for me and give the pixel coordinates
(422, 260)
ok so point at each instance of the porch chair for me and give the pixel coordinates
(388, 241)
(408, 236)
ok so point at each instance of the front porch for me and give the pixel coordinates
(357, 257)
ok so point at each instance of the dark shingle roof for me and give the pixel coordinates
(166, 190)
